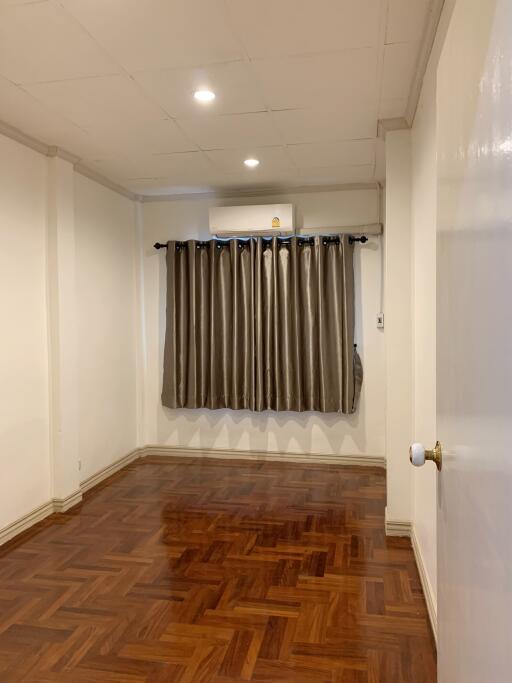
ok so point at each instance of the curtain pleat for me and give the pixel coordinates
(261, 325)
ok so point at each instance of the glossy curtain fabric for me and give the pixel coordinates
(261, 324)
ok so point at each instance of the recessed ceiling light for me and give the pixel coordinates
(204, 95)
(252, 163)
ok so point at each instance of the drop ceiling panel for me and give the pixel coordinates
(406, 20)
(22, 111)
(262, 179)
(41, 42)
(299, 84)
(399, 65)
(231, 130)
(126, 137)
(187, 165)
(96, 101)
(165, 186)
(392, 107)
(292, 27)
(320, 80)
(342, 174)
(232, 160)
(319, 125)
(156, 34)
(233, 83)
(322, 154)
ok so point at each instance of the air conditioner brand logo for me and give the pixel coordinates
(276, 223)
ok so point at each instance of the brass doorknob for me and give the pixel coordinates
(418, 454)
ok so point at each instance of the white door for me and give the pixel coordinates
(474, 344)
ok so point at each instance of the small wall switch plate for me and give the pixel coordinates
(380, 320)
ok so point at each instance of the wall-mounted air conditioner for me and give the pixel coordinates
(261, 219)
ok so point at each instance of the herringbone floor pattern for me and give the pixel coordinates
(204, 571)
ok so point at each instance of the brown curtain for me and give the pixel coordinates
(261, 324)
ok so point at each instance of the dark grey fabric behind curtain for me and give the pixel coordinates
(261, 325)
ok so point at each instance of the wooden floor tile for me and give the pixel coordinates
(211, 571)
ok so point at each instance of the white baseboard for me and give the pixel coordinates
(395, 527)
(269, 456)
(430, 599)
(108, 471)
(64, 504)
(23, 523)
(401, 528)
(38, 514)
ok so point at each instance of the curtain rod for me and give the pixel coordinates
(308, 240)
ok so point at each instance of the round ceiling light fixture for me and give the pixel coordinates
(251, 163)
(204, 95)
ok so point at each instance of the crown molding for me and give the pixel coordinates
(84, 170)
(62, 154)
(27, 140)
(259, 192)
(385, 126)
(427, 43)
(52, 151)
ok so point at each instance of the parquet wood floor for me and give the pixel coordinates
(209, 571)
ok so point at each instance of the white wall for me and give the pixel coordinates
(398, 311)
(69, 379)
(24, 383)
(424, 224)
(361, 433)
(424, 209)
(107, 325)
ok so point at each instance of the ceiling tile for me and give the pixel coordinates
(233, 83)
(291, 27)
(314, 64)
(406, 20)
(90, 101)
(320, 80)
(126, 137)
(261, 178)
(22, 111)
(232, 160)
(41, 42)
(392, 108)
(399, 65)
(182, 168)
(232, 130)
(338, 175)
(318, 125)
(165, 186)
(322, 154)
(154, 34)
